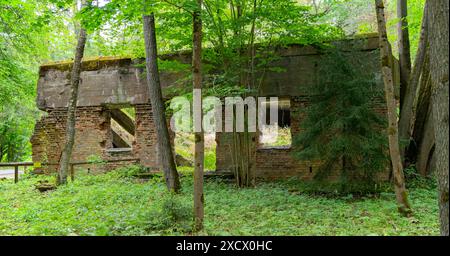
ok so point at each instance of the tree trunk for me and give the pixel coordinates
(199, 153)
(66, 155)
(406, 122)
(243, 154)
(243, 142)
(154, 85)
(421, 148)
(403, 48)
(394, 150)
(438, 38)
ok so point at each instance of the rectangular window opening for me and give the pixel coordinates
(122, 128)
(277, 135)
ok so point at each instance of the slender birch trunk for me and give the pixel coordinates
(394, 149)
(66, 155)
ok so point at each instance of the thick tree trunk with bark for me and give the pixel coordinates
(199, 153)
(406, 122)
(66, 155)
(165, 150)
(403, 48)
(394, 149)
(438, 38)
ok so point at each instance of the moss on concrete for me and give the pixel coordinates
(88, 64)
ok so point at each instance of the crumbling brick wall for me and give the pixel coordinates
(90, 137)
(280, 162)
(109, 81)
(271, 162)
(93, 138)
(276, 162)
(145, 146)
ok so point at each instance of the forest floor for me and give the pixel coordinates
(118, 204)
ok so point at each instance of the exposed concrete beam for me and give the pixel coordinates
(118, 142)
(123, 120)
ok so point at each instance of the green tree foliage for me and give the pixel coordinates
(17, 38)
(358, 17)
(352, 16)
(30, 33)
(227, 25)
(341, 127)
(415, 13)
